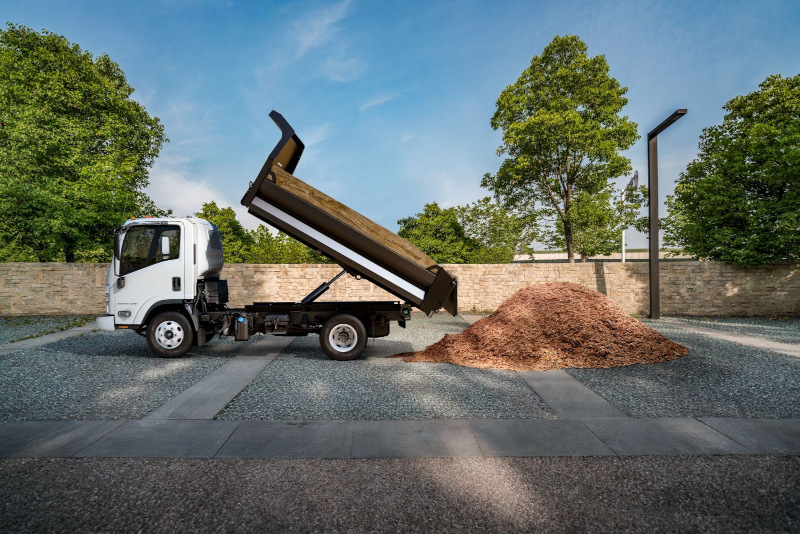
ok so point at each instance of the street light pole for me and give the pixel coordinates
(633, 183)
(652, 184)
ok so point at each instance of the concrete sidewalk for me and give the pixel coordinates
(399, 439)
(46, 339)
(751, 341)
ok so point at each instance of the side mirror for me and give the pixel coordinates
(117, 245)
(164, 245)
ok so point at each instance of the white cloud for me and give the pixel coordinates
(316, 134)
(318, 28)
(172, 186)
(318, 41)
(378, 100)
(343, 69)
(406, 138)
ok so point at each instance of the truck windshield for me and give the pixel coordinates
(142, 247)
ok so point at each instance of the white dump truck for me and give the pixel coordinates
(164, 279)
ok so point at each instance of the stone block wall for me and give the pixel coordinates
(687, 287)
(52, 288)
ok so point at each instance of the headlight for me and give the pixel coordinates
(108, 299)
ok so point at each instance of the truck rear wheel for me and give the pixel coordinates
(343, 337)
(170, 335)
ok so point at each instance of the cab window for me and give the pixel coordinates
(142, 247)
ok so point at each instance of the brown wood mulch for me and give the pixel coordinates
(553, 326)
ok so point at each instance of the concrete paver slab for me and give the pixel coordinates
(532, 437)
(760, 436)
(472, 319)
(414, 439)
(752, 341)
(290, 439)
(208, 397)
(46, 339)
(569, 398)
(24, 439)
(663, 436)
(163, 439)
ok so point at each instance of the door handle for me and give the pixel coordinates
(176, 283)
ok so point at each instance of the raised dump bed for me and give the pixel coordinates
(361, 246)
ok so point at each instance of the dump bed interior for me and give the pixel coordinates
(361, 246)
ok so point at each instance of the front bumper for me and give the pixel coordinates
(106, 322)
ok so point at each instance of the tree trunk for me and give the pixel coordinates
(69, 250)
(568, 241)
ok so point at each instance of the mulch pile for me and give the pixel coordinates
(553, 326)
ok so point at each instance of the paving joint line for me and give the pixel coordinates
(599, 438)
(720, 432)
(121, 422)
(239, 423)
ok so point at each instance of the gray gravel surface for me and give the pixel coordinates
(632, 494)
(109, 375)
(779, 329)
(303, 383)
(16, 328)
(717, 379)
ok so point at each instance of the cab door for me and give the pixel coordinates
(150, 270)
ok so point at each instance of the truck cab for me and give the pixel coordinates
(160, 265)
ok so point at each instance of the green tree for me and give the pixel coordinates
(439, 234)
(237, 242)
(280, 248)
(598, 220)
(75, 149)
(739, 201)
(495, 227)
(562, 133)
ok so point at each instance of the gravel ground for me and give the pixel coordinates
(632, 494)
(302, 383)
(718, 378)
(109, 375)
(780, 329)
(16, 328)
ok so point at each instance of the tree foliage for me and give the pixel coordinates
(75, 149)
(255, 246)
(598, 220)
(494, 235)
(280, 248)
(739, 201)
(493, 226)
(562, 133)
(237, 242)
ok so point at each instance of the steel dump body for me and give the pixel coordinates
(361, 246)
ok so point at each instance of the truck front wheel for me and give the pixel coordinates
(343, 337)
(170, 335)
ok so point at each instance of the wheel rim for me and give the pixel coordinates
(343, 338)
(169, 334)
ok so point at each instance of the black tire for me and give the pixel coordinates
(343, 337)
(170, 335)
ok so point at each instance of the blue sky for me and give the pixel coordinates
(393, 99)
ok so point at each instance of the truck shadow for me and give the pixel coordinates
(376, 348)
